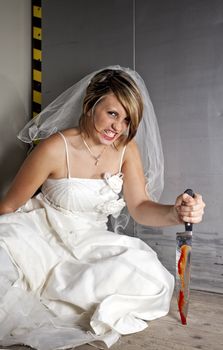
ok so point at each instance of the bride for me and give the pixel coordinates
(65, 278)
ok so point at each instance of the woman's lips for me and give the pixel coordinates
(109, 135)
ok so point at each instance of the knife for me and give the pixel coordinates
(183, 267)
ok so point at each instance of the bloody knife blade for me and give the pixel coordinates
(183, 267)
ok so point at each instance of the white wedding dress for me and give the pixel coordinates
(65, 279)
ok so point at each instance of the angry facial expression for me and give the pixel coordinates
(110, 120)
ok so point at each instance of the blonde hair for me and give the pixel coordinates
(126, 91)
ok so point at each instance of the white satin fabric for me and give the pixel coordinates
(70, 281)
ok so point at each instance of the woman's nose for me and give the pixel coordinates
(116, 125)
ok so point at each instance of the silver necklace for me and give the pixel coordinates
(96, 158)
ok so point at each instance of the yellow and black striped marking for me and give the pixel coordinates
(36, 56)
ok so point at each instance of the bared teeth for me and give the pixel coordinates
(109, 133)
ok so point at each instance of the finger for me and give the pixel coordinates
(183, 198)
(188, 215)
(200, 201)
(192, 220)
(188, 200)
(179, 201)
(197, 208)
(192, 216)
(196, 202)
(198, 197)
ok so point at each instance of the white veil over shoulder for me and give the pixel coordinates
(65, 111)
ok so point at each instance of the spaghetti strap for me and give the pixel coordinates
(67, 155)
(121, 160)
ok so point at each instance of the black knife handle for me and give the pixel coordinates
(188, 225)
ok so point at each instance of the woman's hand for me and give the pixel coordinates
(189, 209)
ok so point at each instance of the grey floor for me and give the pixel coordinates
(203, 331)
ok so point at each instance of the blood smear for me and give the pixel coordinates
(182, 263)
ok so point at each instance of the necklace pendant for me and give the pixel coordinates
(92, 155)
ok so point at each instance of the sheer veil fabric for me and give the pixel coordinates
(64, 112)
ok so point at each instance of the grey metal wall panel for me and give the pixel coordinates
(181, 60)
(15, 85)
(81, 36)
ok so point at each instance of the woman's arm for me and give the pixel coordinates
(37, 167)
(143, 209)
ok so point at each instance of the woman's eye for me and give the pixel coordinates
(113, 114)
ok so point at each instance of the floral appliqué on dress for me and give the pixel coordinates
(112, 207)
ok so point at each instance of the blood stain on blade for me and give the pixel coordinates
(184, 274)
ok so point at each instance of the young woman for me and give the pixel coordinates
(65, 279)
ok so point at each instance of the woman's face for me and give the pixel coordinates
(110, 120)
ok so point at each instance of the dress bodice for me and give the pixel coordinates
(81, 195)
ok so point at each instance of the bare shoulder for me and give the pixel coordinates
(47, 157)
(50, 146)
(52, 150)
(132, 163)
(132, 151)
(55, 142)
(72, 136)
(71, 132)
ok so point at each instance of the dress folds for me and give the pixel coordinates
(65, 279)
